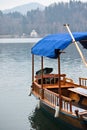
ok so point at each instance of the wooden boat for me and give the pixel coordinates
(58, 95)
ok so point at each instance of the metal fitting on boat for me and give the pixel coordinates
(30, 92)
(38, 104)
(56, 111)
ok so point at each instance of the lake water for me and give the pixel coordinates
(17, 109)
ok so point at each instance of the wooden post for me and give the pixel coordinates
(80, 81)
(42, 72)
(70, 106)
(32, 68)
(42, 91)
(59, 82)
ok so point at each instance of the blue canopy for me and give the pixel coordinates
(47, 46)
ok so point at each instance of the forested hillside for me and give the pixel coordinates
(50, 20)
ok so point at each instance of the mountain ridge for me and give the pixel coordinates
(24, 8)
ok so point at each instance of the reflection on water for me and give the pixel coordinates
(41, 121)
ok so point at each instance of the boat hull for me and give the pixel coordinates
(69, 119)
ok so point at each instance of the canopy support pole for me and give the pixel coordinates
(59, 82)
(83, 59)
(32, 68)
(42, 91)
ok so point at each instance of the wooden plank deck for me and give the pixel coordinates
(79, 90)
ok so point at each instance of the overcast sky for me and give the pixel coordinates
(6, 4)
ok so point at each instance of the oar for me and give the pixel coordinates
(74, 41)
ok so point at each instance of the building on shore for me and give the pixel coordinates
(33, 33)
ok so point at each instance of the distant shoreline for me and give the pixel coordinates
(19, 40)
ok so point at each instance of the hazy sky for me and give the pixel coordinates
(6, 4)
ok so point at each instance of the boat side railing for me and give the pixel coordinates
(53, 99)
(83, 82)
(66, 104)
(37, 89)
